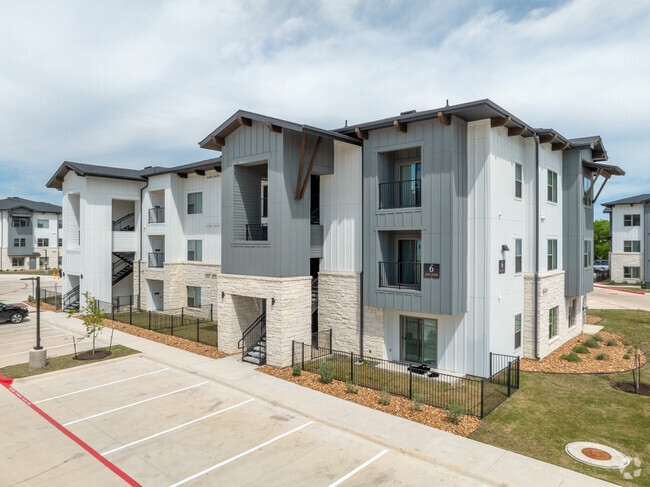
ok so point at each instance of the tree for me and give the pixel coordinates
(637, 338)
(601, 245)
(92, 317)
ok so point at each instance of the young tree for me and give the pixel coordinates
(601, 246)
(91, 315)
(637, 338)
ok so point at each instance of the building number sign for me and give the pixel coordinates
(432, 271)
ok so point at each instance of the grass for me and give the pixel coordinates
(63, 362)
(34, 272)
(551, 410)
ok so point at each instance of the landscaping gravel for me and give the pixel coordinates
(589, 365)
(399, 406)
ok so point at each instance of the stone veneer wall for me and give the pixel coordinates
(176, 276)
(618, 260)
(289, 318)
(550, 295)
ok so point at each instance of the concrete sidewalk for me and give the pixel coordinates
(488, 464)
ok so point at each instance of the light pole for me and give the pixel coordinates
(37, 356)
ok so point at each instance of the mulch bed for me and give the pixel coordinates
(172, 341)
(644, 390)
(89, 355)
(399, 406)
(616, 363)
(592, 320)
(44, 306)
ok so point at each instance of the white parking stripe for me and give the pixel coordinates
(101, 385)
(360, 467)
(31, 339)
(218, 465)
(133, 404)
(25, 351)
(33, 330)
(177, 427)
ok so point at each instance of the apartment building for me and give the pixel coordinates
(30, 234)
(629, 223)
(433, 237)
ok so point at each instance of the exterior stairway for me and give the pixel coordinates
(122, 267)
(70, 299)
(253, 342)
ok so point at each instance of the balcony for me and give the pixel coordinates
(156, 259)
(157, 215)
(257, 232)
(400, 194)
(400, 275)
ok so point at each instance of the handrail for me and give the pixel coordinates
(248, 330)
(117, 224)
(157, 214)
(400, 194)
(315, 216)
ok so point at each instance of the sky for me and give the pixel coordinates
(133, 84)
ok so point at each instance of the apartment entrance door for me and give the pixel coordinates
(419, 339)
(32, 263)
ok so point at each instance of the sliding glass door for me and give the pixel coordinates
(409, 184)
(409, 253)
(419, 340)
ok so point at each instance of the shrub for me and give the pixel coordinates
(571, 357)
(580, 349)
(455, 412)
(297, 370)
(626, 343)
(326, 372)
(352, 387)
(384, 398)
(612, 282)
(602, 356)
(598, 338)
(591, 343)
(629, 350)
(624, 282)
(626, 356)
(611, 342)
(418, 400)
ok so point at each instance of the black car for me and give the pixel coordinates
(13, 313)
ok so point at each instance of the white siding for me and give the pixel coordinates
(620, 233)
(340, 211)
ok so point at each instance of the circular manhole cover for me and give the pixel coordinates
(597, 455)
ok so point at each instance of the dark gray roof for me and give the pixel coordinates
(56, 181)
(630, 200)
(16, 202)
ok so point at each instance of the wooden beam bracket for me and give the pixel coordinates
(499, 121)
(274, 128)
(219, 141)
(362, 134)
(514, 131)
(244, 121)
(301, 162)
(547, 138)
(311, 166)
(400, 126)
(560, 146)
(444, 119)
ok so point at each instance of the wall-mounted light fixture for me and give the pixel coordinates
(504, 248)
(223, 294)
(272, 301)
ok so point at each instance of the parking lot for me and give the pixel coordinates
(162, 426)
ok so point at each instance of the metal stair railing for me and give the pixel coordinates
(71, 297)
(314, 295)
(120, 226)
(253, 335)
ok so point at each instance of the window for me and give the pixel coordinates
(19, 242)
(408, 261)
(60, 260)
(193, 297)
(551, 194)
(18, 261)
(631, 220)
(419, 340)
(632, 246)
(42, 224)
(194, 203)
(409, 189)
(265, 198)
(43, 242)
(60, 223)
(517, 331)
(60, 242)
(43, 262)
(195, 250)
(518, 250)
(552, 255)
(631, 272)
(587, 254)
(572, 313)
(19, 222)
(518, 181)
(552, 322)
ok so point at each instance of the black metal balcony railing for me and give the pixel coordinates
(257, 232)
(156, 259)
(400, 194)
(157, 215)
(400, 275)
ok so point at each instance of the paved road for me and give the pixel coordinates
(13, 290)
(602, 298)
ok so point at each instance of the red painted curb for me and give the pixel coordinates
(6, 382)
(620, 290)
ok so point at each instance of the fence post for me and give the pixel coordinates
(490, 365)
(211, 311)
(351, 364)
(482, 386)
(150, 319)
(182, 316)
(197, 330)
(172, 324)
(330, 340)
(130, 314)
(509, 366)
(518, 375)
(410, 382)
(293, 353)
(303, 355)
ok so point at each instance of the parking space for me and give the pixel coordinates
(17, 340)
(163, 426)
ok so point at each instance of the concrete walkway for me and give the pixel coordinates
(485, 463)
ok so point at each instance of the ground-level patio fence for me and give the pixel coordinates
(476, 395)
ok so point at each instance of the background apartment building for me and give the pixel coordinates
(30, 235)
(629, 224)
(431, 237)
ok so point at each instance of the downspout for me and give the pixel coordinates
(537, 216)
(140, 255)
(362, 264)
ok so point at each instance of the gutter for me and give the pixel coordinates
(140, 255)
(537, 216)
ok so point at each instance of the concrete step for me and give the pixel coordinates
(252, 360)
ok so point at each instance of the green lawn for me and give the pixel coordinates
(550, 411)
(63, 362)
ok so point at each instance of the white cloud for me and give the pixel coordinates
(135, 83)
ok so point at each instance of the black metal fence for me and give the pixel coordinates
(49, 297)
(196, 324)
(477, 396)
